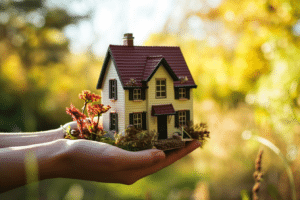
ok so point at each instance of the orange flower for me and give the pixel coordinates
(97, 109)
(77, 116)
(89, 97)
(75, 113)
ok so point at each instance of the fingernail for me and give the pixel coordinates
(197, 144)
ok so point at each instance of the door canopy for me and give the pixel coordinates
(165, 109)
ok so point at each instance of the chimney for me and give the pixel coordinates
(128, 39)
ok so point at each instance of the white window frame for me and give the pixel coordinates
(182, 118)
(137, 120)
(137, 94)
(158, 92)
(182, 93)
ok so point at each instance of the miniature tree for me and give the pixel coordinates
(87, 128)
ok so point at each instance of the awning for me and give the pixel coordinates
(165, 109)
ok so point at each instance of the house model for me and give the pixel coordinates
(149, 87)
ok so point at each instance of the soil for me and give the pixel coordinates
(168, 144)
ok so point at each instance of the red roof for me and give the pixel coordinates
(151, 62)
(164, 109)
(141, 62)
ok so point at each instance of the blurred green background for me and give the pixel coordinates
(243, 55)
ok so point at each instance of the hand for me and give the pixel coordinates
(83, 159)
(94, 161)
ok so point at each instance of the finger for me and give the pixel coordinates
(72, 125)
(147, 158)
(144, 163)
(110, 158)
(175, 155)
(170, 158)
(127, 160)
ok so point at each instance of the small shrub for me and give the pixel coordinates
(197, 132)
(135, 139)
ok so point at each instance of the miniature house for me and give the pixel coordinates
(149, 87)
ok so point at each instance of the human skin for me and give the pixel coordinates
(78, 159)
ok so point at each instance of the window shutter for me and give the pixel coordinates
(176, 91)
(143, 95)
(110, 89)
(131, 94)
(144, 122)
(117, 122)
(116, 89)
(187, 93)
(110, 121)
(187, 117)
(131, 118)
(176, 120)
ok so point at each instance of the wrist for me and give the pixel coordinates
(55, 164)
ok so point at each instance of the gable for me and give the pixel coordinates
(104, 69)
(152, 66)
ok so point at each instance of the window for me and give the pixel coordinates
(113, 89)
(182, 118)
(182, 93)
(137, 94)
(137, 120)
(113, 121)
(161, 88)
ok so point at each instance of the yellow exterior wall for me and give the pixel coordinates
(170, 98)
(133, 106)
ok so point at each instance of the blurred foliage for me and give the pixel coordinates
(38, 74)
(238, 52)
(252, 55)
(244, 52)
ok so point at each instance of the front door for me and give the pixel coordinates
(162, 127)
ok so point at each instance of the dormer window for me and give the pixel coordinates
(161, 91)
(137, 94)
(182, 93)
(113, 89)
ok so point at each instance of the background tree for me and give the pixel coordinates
(35, 64)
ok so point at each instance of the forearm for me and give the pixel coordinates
(48, 158)
(23, 139)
